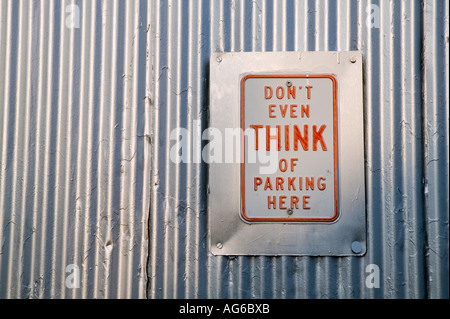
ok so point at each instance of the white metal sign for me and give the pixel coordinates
(293, 181)
(297, 114)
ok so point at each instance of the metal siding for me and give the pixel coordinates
(85, 170)
(73, 149)
(436, 128)
(187, 33)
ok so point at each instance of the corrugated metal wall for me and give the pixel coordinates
(75, 159)
(86, 176)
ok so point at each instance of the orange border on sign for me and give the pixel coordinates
(288, 219)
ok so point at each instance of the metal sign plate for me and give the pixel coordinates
(297, 187)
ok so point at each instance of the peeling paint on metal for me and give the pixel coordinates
(85, 171)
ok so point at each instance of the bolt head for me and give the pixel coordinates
(219, 59)
(357, 247)
(219, 245)
(353, 60)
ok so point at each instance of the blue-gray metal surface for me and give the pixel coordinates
(74, 154)
(86, 178)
